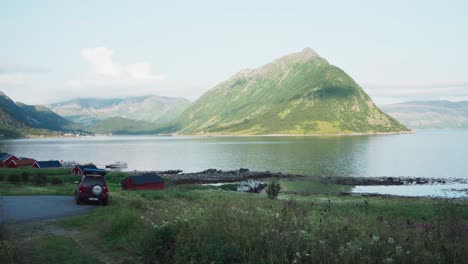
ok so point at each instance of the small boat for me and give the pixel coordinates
(116, 165)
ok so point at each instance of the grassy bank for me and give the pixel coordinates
(212, 226)
(309, 223)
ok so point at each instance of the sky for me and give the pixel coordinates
(52, 51)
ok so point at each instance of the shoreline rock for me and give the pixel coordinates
(243, 174)
(218, 176)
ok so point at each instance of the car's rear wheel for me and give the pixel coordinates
(105, 202)
(77, 199)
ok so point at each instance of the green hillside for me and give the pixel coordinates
(123, 126)
(19, 120)
(300, 93)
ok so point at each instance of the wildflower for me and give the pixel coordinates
(391, 240)
(398, 250)
(375, 238)
(277, 216)
(341, 251)
(298, 254)
(388, 260)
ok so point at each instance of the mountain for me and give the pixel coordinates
(300, 93)
(88, 111)
(18, 119)
(430, 114)
(119, 125)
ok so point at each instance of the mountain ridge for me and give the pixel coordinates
(18, 119)
(300, 93)
(430, 114)
(149, 108)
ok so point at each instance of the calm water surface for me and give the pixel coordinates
(424, 154)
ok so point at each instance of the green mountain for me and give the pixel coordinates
(88, 111)
(430, 114)
(300, 93)
(123, 126)
(18, 119)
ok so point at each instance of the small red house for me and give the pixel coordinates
(21, 163)
(6, 158)
(79, 169)
(148, 181)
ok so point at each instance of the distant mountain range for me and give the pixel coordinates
(430, 114)
(300, 93)
(89, 111)
(124, 126)
(18, 119)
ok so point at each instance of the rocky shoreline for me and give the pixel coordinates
(219, 176)
(243, 174)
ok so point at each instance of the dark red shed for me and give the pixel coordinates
(143, 182)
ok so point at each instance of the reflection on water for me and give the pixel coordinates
(434, 190)
(424, 154)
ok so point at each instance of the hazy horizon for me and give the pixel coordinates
(398, 51)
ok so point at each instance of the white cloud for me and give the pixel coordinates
(105, 72)
(12, 79)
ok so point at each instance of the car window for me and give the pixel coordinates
(90, 181)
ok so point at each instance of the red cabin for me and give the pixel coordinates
(21, 163)
(6, 158)
(143, 182)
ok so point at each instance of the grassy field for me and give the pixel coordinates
(212, 226)
(205, 224)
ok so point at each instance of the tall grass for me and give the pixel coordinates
(219, 227)
(8, 247)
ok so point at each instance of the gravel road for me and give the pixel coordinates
(21, 209)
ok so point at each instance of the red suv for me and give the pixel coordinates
(92, 188)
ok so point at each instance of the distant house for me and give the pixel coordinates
(21, 163)
(149, 181)
(6, 158)
(47, 164)
(80, 169)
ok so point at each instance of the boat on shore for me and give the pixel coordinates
(116, 165)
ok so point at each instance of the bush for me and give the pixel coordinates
(273, 190)
(40, 179)
(13, 178)
(56, 181)
(24, 176)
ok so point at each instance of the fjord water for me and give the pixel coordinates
(423, 154)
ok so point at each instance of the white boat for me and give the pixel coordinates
(117, 165)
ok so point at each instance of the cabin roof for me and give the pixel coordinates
(49, 164)
(4, 156)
